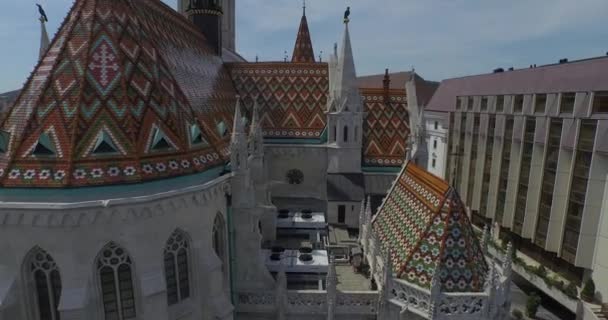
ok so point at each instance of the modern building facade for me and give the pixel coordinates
(143, 171)
(526, 150)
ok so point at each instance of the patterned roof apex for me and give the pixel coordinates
(128, 91)
(423, 222)
(302, 51)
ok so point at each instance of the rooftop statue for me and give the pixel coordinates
(347, 15)
(42, 13)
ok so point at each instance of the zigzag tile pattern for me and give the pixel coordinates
(424, 223)
(385, 129)
(124, 68)
(292, 96)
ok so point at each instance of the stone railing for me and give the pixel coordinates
(459, 305)
(416, 299)
(309, 302)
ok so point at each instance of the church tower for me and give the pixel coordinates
(227, 19)
(207, 16)
(345, 111)
(302, 51)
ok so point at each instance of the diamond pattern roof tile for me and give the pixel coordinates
(424, 223)
(121, 69)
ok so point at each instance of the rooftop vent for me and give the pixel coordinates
(305, 250)
(277, 249)
(305, 257)
(283, 214)
(564, 60)
(499, 70)
(306, 214)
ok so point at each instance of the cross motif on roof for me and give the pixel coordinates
(107, 62)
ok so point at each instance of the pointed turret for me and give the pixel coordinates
(346, 78)
(256, 136)
(303, 52)
(44, 38)
(238, 145)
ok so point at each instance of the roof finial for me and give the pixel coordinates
(347, 15)
(304, 8)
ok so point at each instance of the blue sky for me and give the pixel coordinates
(440, 38)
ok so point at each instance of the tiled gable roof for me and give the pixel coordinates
(115, 98)
(292, 96)
(423, 222)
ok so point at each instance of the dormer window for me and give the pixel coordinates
(104, 145)
(196, 136)
(44, 147)
(221, 129)
(5, 139)
(160, 142)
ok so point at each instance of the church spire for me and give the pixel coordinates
(303, 52)
(238, 145)
(44, 36)
(346, 87)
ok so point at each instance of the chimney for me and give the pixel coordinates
(499, 70)
(207, 16)
(387, 86)
(564, 60)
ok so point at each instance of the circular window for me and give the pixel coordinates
(295, 176)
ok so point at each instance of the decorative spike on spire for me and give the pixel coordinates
(238, 125)
(256, 136)
(303, 51)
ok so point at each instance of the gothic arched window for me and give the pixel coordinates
(345, 134)
(116, 281)
(45, 282)
(219, 240)
(176, 267)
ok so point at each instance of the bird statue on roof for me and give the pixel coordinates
(347, 15)
(42, 13)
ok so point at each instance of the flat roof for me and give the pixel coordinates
(290, 260)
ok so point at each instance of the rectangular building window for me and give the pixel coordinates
(460, 150)
(524, 176)
(434, 163)
(473, 160)
(540, 103)
(487, 170)
(436, 125)
(341, 213)
(578, 189)
(504, 170)
(500, 103)
(470, 101)
(518, 104)
(435, 144)
(548, 184)
(484, 104)
(600, 102)
(567, 102)
(459, 103)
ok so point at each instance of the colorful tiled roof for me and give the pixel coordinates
(292, 96)
(423, 222)
(385, 128)
(302, 51)
(128, 92)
